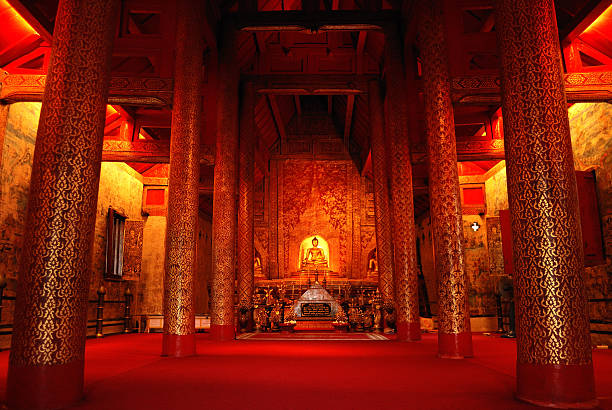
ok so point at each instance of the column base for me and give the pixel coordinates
(178, 345)
(408, 332)
(222, 333)
(45, 387)
(559, 386)
(455, 345)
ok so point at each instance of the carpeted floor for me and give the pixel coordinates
(319, 336)
(126, 372)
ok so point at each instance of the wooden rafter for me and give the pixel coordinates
(33, 20)
(278, 119)
(298, 105)
(584, 19)
(350, 104)
(361, 42)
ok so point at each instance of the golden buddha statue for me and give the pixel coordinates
(257, 266)
(315, 257)
(373, 262)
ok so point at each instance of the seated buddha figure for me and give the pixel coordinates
(315, 257)
(373, 263)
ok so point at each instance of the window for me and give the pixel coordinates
(114, 244)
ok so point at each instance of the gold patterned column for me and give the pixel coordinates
(382, 213)
(246, 187)
(454, 334)
(404, 236)
(47, 353)
(224, 198)
(183, 197)
(554, 366)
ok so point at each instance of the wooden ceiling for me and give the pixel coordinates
(144, 47)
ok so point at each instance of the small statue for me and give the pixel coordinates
(270, 299)
(315, 257)
(373, 262)
(257, 266)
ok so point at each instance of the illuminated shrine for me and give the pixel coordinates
(305, 203)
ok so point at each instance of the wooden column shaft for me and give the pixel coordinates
(454, 335)
(554, 365)
(404, 237)
(246, 187)
(47, 354)
(224, 198)
(382, 212)
(183, 196)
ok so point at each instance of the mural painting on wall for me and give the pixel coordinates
(591, 132)
(477, 267)
(494, 242)
(132, 249)
(315, 199)
(17, 155)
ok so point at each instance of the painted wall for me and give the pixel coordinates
(15, 170)
(591, 129)
(128, 201)
(426, 254)
(480, 282)
(496, 192)
(17, 154)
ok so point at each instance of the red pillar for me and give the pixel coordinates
(183, 197)
(47, 353)
(404, 236)
(382, 213)
(454, 334)
(246, 187)
(554, 365)
(224, 198)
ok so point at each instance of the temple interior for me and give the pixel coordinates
(305, 203)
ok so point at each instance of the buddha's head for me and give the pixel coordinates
(315, 242)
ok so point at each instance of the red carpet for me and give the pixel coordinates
(126, 372)
(320, 336)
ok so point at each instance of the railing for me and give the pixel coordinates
(99, 323)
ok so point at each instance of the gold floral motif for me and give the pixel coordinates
(552, 320)
(398, 140)
(224, 200)
(246, 184)
(183, 197)
(51, 305)
(382, 213)
(444, 196)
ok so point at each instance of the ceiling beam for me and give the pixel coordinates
(346, 20)
(583, 19)
(486, 89)
(278, 119)
(147, 151)
(32, 19)
(310, 84)
(157, 92)
(350, 104)
(136, 91)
